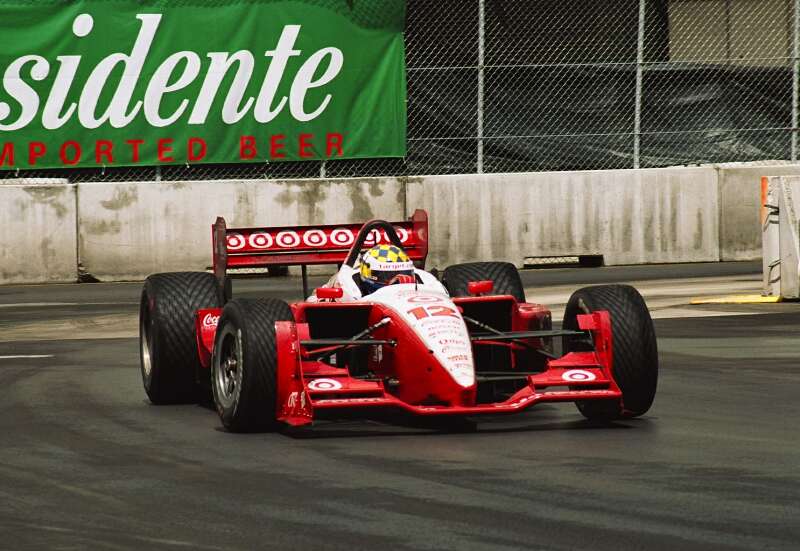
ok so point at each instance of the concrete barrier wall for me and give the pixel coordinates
(38, 242)
(126, 231)
(130, 230)
(630, 217)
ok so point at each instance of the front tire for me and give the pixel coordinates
(635, 353)
(167, 340)
(244, 365)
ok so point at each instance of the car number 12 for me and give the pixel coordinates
(423, 312)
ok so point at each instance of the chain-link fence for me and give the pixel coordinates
(510, 86)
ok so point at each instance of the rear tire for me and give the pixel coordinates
(167, 339)
(244, 366)
(635, 353)
(504, 275)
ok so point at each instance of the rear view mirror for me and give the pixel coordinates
(476, 288)
(329, 293)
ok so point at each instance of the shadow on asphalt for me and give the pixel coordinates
(362, 429)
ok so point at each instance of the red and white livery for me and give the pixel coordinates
(461, 343)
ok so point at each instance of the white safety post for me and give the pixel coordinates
(789, 206)
(770, 237)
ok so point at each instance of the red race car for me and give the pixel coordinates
(461, 343)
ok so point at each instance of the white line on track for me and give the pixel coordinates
(27, 356)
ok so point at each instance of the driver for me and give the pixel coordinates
(384, 265)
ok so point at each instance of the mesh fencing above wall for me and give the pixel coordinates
(509, 86)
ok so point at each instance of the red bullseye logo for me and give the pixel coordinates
(315, 238)
(402, 234)
(342, 236)
(423, 299)
(260, 240)
(288, 239)
(324, 384)
(373, 238)
(235, 241)
(578, 376)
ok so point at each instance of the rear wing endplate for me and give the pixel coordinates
(243, 248)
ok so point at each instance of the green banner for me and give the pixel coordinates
(93, 83)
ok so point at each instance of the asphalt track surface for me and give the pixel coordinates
(87, 463)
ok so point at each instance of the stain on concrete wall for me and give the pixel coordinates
(38, 242)
(56, 197)
(123, 196)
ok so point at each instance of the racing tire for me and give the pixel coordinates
(634, 349)
(504, 275)
(167, 337)
(244, 365)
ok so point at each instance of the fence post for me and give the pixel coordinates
(637, 115)
(795, 76)
(481, 56)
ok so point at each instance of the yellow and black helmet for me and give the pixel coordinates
(381, 264)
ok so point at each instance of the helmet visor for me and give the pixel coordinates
(385, 277)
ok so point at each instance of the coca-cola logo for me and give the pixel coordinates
(210, 320)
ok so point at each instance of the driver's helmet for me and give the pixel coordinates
(381, 265)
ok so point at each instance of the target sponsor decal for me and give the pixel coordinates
(324, 384)
(402, 233)
(288, 239)
(425, 299)
(260, 240)
(342, 237)
(331, 237)
(315, 238)
(373, 237)
(236, 241)
(578, 376)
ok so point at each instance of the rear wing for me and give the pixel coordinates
(248, 248)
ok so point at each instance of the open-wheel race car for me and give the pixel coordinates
(461, 343)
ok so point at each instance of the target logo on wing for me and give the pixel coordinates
(235, 241)
(402, 234)
(417, 299)
(578, 376)
(324, 384)
(260, 240)
(373, 238)
(315, 238)
(342, 237)
(288, 239)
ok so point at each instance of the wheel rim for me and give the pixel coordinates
(145, 336)
(228, 367)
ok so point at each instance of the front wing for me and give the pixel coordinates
(308, 387)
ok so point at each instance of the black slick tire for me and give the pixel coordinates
(244, 365)
(504, 275)
(167, 339)
(635, 353)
